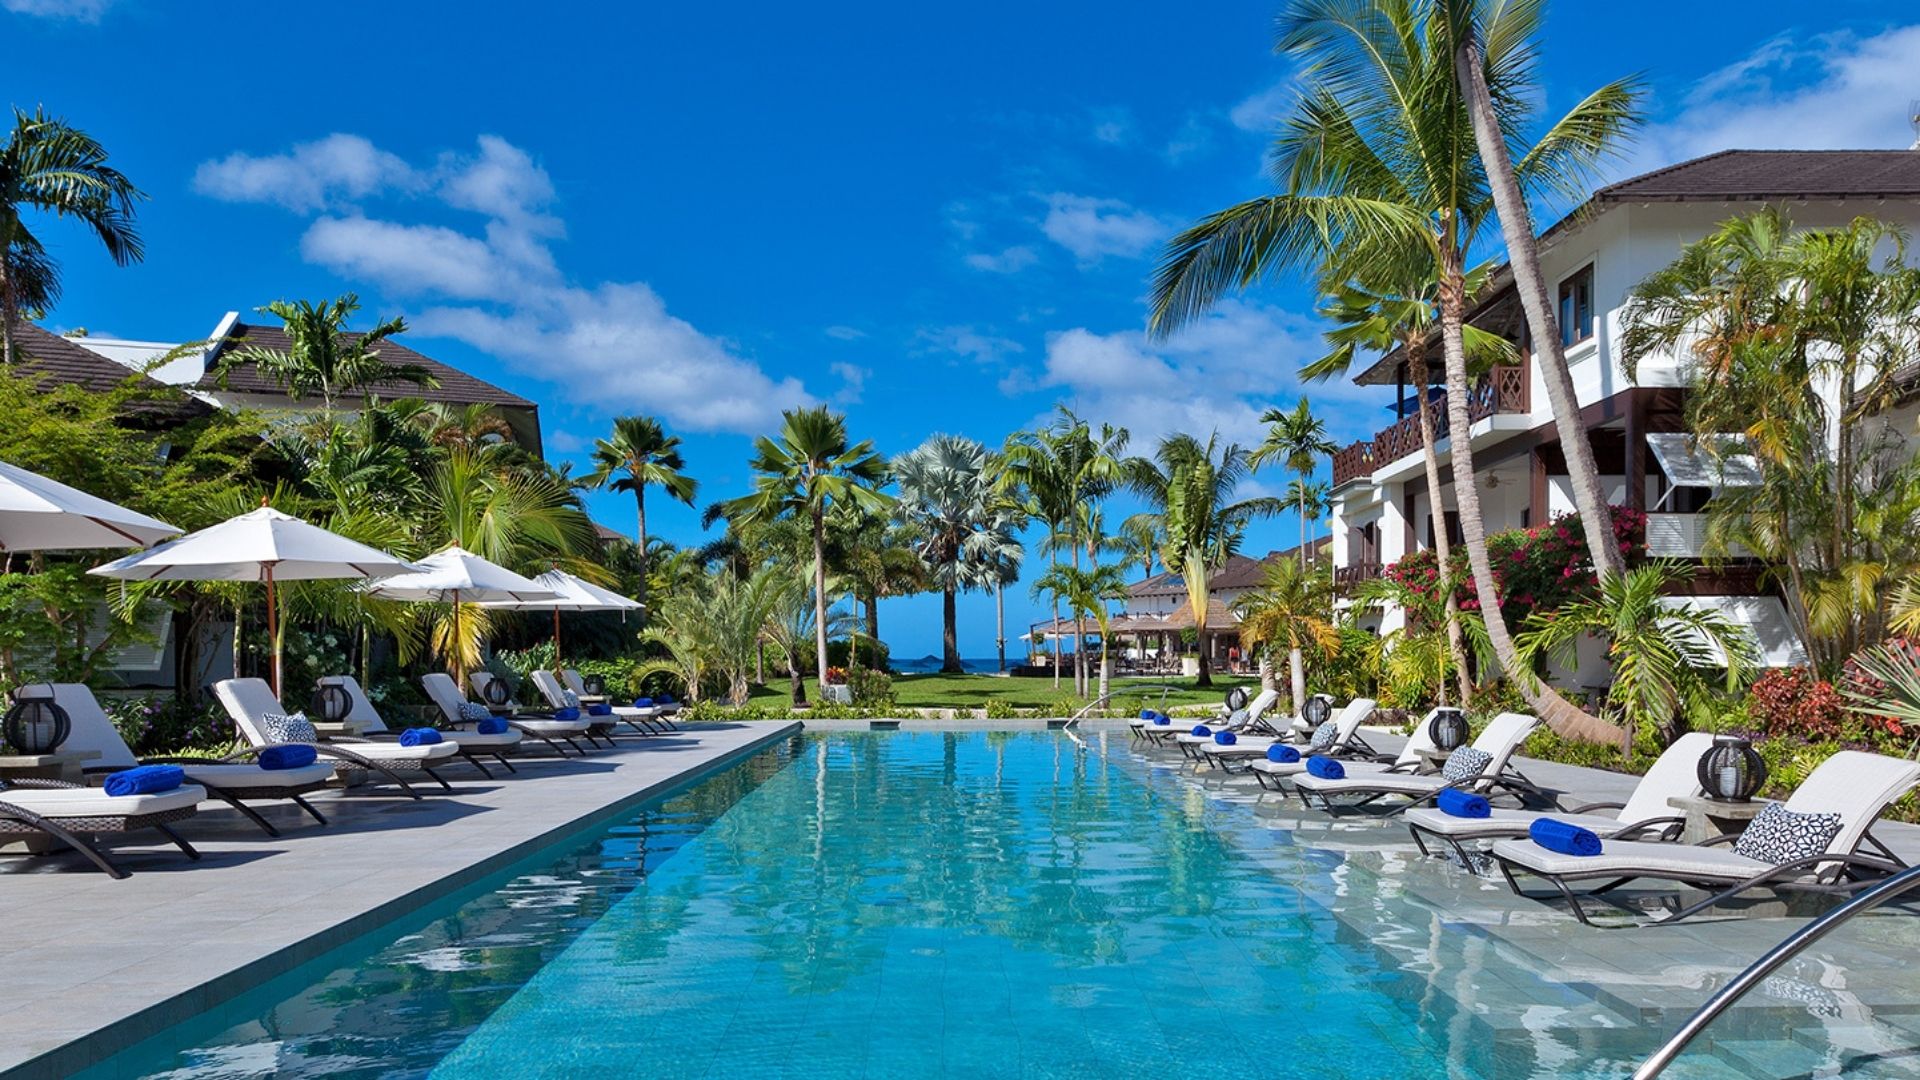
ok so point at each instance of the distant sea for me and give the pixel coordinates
(927, 665)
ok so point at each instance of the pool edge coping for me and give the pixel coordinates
(96, 1046)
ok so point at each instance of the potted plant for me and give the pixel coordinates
(833, 687)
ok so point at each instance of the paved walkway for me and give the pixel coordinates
(93, 965)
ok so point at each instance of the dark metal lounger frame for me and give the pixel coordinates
(72, 831)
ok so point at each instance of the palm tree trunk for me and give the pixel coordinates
(1105, 666)
(1437, 515)
(1559, 714)
(1303, 521)
(1516, 225)
(820, 590)
(1205, 678)
(640, 538)
(1000, 622)
(949, 634)
(1079, 641)
(1297, 671)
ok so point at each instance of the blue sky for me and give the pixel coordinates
(937, 219)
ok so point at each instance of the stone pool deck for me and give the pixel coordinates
(94, 965)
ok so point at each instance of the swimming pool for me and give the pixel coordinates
(965, 904)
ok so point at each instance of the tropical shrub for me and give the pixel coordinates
(1001, 709)
(1542, 568)
(1882, 684)
(871, 688)
(855, 650)
(163, 725)
(1795, 702)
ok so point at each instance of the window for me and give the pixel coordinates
(1576, 308)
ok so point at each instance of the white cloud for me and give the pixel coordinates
(87, 11)
(1093, 228)
(1260, 112)
(1194, 137)
(1831, 91)
(968, 342)
(611, 345)
(1008, 261)
(1113, 126)
(1216, 375)
(311, 176)
(853, 382)
(844, 333)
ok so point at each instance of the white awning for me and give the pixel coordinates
(1764, 618)
(1709, 461)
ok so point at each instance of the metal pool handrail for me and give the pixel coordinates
(1097, 702)
(1895, 886)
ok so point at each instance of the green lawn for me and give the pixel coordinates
(973, 691)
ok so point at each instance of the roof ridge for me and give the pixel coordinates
(1662, 171)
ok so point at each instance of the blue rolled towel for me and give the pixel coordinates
(1162, 719)
(1146, 714)
(146, 780)
(419, 736)
(599, 710)
(1465, 804)
(643, 703)
(1326, 768)
(288, 756)
(566, 714)
(1564, 838)
(492, 725)
(1202, 730)
(664, 699)
(1225, 738)
(1282, 753)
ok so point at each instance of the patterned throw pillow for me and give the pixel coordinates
(280, 728)
(1778, 835)
(1465, 764)
(472, 712)
(1324, 736)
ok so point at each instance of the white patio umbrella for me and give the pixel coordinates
(571, 594)
(38, 514)
(456, 575)
(262, 545)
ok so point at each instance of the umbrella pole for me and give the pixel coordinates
(556, 637)
(273, 628)
(457, 648)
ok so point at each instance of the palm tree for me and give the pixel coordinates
(877, 558)
(1191, 485)
(1399, 310)
(1291, 609)
(1310, 500)
(810, 469)
(1660, 654)
(641, 455)
(1087, 592)
(1139, 542)
(323, 357)
(1377, 162)
(947, 500)
(1297, 439)
(49, 166)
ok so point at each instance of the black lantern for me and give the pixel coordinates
(495, 691)
(1317, 710)
(596, 685)
(331, 703)
(1236, 699)
(1448, 729)
(37, 725)
(1731, 770)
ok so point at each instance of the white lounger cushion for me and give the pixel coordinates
(1623, 858)
(468, 739)
(1504, 822)
(388, 752)
(556, 729)
(57, 803)
(242, 777)
(1369, 782)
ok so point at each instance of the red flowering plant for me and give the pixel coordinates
(836, 676)
(1541, 568)
(1795, 702)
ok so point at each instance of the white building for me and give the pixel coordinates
(1592, 260)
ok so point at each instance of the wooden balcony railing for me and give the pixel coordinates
(1502, 390)
(1355, 574)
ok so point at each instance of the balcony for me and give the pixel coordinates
(1505, 389)
(1355, 574)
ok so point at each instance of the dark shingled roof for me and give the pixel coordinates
(1776, 174)
(60, 362)
(456, 386)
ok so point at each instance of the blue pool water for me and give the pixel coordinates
(882, 905)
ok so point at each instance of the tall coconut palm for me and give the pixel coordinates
(1378, 160)
(1035, 473)
(947, 499)
(1398, 309)
(641, 455)
(1191, 485)
(1088, 592)
(1291, 609)
(810, 469)
(322, 356)
(1309, 501)
(49, 166)
(1297, 439)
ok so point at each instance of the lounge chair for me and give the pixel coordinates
(248, 701)
(446, 694)
(559, 697)
(232, 782)
(594, 731)
(469, 744)
(1853, 785)
(1503, 735)
(1248, 722)
(1645, 814)
(1342, 740)
(1411, 760)
(652, 716)
(69, 813)
(1144, 728)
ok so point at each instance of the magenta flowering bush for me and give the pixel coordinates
(1540, 568)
